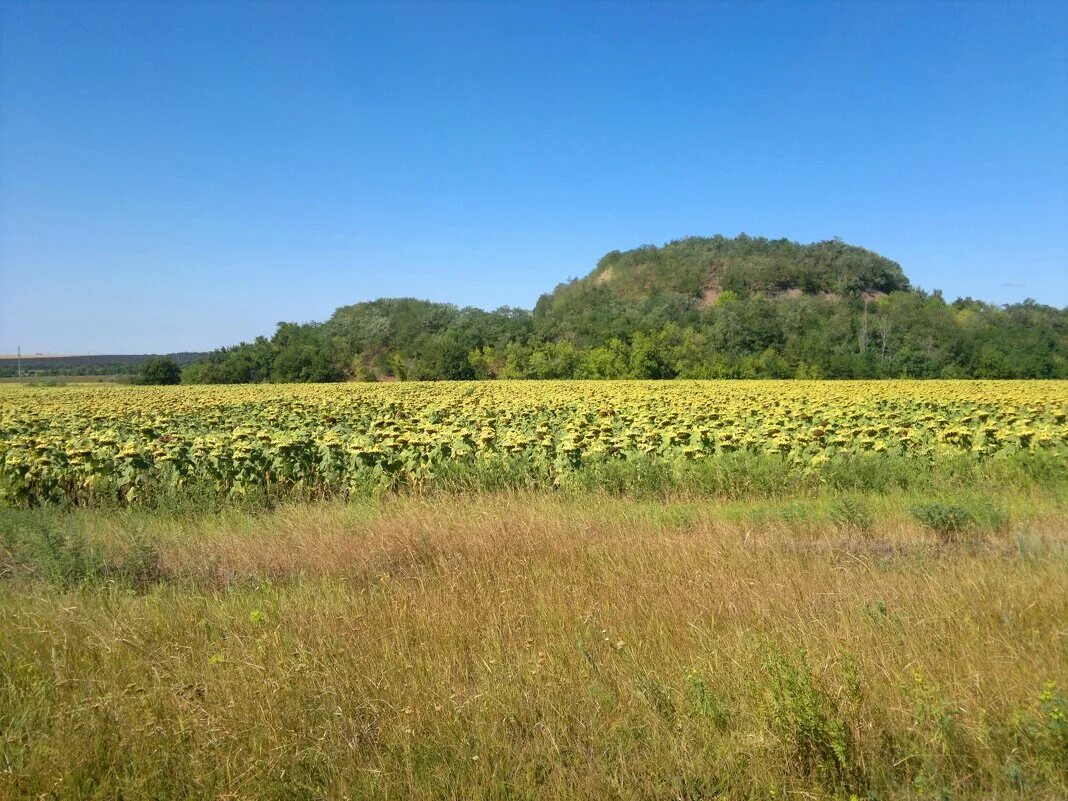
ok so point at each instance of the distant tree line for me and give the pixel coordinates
(110, 365)
(696, 308)
(72, 370)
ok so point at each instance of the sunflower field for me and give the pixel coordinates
(74, 444)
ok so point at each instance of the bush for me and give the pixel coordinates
(852, 512)
(45, 546)
(809, 722)
(945, 519)
(160, 370)
(950, 520)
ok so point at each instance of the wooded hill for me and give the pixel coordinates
(695, 308)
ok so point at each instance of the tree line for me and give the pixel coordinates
(695, 308)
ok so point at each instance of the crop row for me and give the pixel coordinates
(77, 443)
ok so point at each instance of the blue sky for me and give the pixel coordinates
(179, 176)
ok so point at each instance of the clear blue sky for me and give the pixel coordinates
(178, 176)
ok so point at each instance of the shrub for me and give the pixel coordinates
(43, 547)
(946, 520)
(950, 520)
(852, 512)
(808, 721)
(160, 370)
(47, 547)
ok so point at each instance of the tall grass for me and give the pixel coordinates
(533, 645)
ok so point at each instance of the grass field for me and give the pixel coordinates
(890, 625)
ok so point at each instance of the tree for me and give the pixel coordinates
(695, 308)
(161, 370)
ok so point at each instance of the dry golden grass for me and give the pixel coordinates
(537, 647)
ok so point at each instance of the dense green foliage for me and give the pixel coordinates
(745, 265)
(160, 371)
(695, 308)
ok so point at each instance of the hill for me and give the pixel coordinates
(701, 268)
(699, 307)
